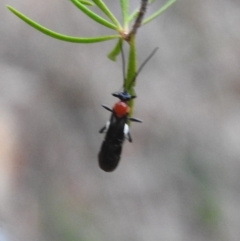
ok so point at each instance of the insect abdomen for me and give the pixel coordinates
(109, 155)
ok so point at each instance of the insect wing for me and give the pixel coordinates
(110, 152)
(109, 156)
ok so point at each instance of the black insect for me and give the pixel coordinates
(117, 128)
(116, 131)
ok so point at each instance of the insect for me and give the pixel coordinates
(117, 128)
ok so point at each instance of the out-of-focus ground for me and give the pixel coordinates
(178, 181)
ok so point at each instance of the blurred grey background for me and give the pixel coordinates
(179, 179)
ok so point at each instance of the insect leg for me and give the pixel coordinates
(107, 108)
(105, 128)
(135, 119)
(127, 133)
(129, 137)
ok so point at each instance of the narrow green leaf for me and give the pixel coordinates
(107, 11)
(133, 15)
(58, 35)
(86, 2)
(93, 15)
(116, 50)
(136, 11)
(125, 13)
(161, 10)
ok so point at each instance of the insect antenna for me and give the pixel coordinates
(143, 64)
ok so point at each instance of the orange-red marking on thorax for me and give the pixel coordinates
(121, 109)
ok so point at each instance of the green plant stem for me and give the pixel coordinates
(131, 72)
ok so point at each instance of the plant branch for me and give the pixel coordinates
(138, 20)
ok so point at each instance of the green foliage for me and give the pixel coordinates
(123, 31)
